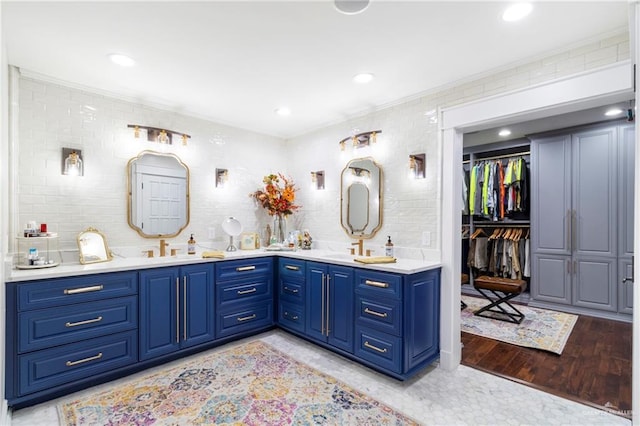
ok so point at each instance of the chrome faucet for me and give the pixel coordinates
(360, 246)
(163, 248)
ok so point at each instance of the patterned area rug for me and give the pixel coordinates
(540, 329)
(252, 384)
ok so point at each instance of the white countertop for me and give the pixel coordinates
(402, 266)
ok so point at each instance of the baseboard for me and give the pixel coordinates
(5, 414)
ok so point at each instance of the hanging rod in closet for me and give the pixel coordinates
(501, 225)
(497, 157)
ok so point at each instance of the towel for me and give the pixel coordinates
(213, 254)
(377, 259)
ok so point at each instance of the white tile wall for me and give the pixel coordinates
(52, 116)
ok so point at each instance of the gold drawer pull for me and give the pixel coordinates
(83, 289)
(291, 268)
(291, 290)
(82, 361)
(245, 268)
(287, 315)
(378, 314)
(250, 317)
(377, 284)
(252, 290)
(75, 324)
(375, 348)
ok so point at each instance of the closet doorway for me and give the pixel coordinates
(595, 365)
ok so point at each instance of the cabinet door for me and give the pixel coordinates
(316, 306)
(341, 308)
(551, 196)
(625, 295)
(595, 283)
(421, 318)
(198, 317)
(159, 312)
(551, 278)
(626, 188)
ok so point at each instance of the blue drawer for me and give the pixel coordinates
(246, 291)
(379, 284)
(64, 364)
(381, 314)
(66, 291)
(291, 316)
(292, 268)
(245, 319)
(381, 349)
(53, 327)
(245, 268)
(291, 290)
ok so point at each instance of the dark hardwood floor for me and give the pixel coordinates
(594, 368)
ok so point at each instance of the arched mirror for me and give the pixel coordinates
(361, 198)
(158, 189)
(92, 247)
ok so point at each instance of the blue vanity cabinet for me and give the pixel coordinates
(329, 304)
(244, 296)
(397, 320)
(64, 331)
(291, 294)
(176, 309)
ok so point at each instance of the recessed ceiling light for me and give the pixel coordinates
(283, 111)
(504, 132)
(351, 7)
(613, 111)
(363, 78)
(122, 60)
(517, 11)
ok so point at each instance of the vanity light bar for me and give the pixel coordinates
(360, 140)
(155, 134)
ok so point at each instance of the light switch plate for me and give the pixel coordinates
(212, 233)
(426, 238)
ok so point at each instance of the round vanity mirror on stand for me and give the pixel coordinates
(232, 227)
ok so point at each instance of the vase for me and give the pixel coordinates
(279, 229)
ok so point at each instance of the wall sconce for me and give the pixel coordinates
(155, 134)
(360, 140)
(222, 176)
(317, 179)
(417, 166)
(72, 163)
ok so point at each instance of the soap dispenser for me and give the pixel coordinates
(388, 248)
(191, 245)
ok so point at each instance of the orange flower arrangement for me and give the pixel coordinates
(278, 195)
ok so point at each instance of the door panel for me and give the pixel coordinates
(553, 279)
(595, 283)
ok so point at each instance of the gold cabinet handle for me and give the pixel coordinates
(250, 317)
(82, 361)
(83, 289)
(287, 315)
(292, 268)
(75, 324)
(291, 290)
(245, 268)
(376, 284)
(184, 308)
(375, 348)
(378, 314)
(251, 290)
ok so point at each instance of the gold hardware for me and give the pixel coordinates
(252, 290)
(375, 348)
(368, 252)
(149, 253)
(250, 317)
(245, 268)
(75, 324)
(292, 268)
(378, 314)
(82, 361)
(376, 284)
(291, 290)
(174, 252)
(360, 246)
(83, 289)
(177, 310)
(163, 248)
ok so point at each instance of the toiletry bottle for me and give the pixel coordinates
(191, 245)
(388, 248)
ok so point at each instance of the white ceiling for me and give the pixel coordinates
(236, 62)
